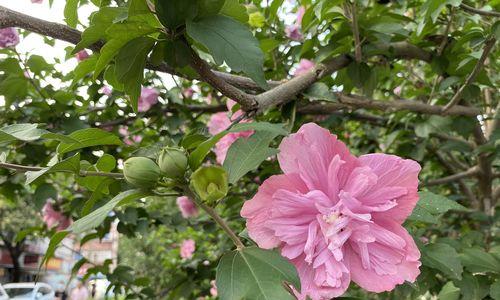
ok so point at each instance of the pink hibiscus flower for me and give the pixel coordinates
(304, 66)
(82, 55)
(8, 37)
(337, 217)
(187, 207)
(219, 122)
(188, 93)
(148, 98)
(52, 217)
(106, 90)
(187, 248)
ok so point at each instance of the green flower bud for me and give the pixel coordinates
(173, 162)
(141, 172)
(256, 19)
(210, 184)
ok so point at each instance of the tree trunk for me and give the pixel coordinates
(16, 266)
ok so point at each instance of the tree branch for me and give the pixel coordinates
(455, 177)
(21, 168)
(479, 12)
(472, 76)
(351, 101)
(350, 9)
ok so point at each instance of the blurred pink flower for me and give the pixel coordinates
(36, 1)
(53, 218)
(188, 93)
(219, 122)
(187, 248)
(397, 90)
(187, 207)
(304, 66)
(106, 90)
(148, 98)
(82, 55)
(213, 289)
(8, 37)
(293, 31)
(128, 139)
(337, 217)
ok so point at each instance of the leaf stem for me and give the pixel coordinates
(210, 211)
(21, 168)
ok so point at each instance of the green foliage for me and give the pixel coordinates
(254, 273)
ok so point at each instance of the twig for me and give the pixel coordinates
(479, 12)
(472, 76)
(21, 168)
(444, 42)
(212, 213)
(27, 74)
(351, 10)
(455, 177)
(350, 101)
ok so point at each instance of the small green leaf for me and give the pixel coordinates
(96, 217)
(71, 12)
(54, 242)
(44, 192)
(235, 10)
(449, 292)
(21, 132)
(129, 67)
(246, 154)
(84, 68)
(320, 91)
(430, 206)
(70, 164)
(444, 258)
(231, 42)
(253, 273)
(88, 137)
(173, 14)
(495, 290)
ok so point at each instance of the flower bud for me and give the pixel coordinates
(210, 184)
(173, 162)
(141, 171)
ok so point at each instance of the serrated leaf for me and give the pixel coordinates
(253, 273)
(88, 137)
(246, 154)
(430, 206)
(96, 217)
(444, 258)
(71, 12)
(231, 42)
(84, 68)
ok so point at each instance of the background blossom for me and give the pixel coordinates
(52, 217)
(148, 98)
(187, 207)
(8, 37)
(187, 248)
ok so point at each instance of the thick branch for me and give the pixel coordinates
(479, 12)
(472, 76)
(455, 177)
(246, 101)
(21, 168)
(349, 101)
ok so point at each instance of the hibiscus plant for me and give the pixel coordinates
(251, 149)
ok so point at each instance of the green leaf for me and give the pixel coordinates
(70, 164)
(208, 8)
(177, 53)
(275, 128)
(495, 290)
(473, 286)
(254, 273)
(20, 132)
(246, 154)
(13, 87)
(444, 258)
(54, 242)
(71, 12)
(430, 206)
(231, 42)
(121, 34)
(478, 261)
(320, 91)
(37, 64)
(42, 193)
(449, 292)
(88, 137)
(96, 217)
(235, 10)
(129, 67)
(99, 22)
(84, 68)
(173, 14)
